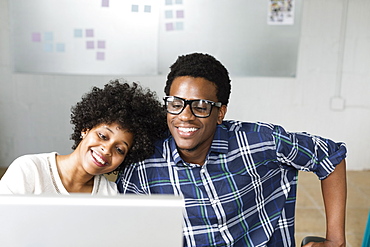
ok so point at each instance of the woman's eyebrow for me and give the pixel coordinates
(113, 133)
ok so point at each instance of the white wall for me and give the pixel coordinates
(35, 109)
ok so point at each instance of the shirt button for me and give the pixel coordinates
(202, 171)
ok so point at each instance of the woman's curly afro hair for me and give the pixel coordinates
(132, 107)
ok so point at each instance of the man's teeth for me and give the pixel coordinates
(187, 129)
(97, 157)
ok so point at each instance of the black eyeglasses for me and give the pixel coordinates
(199, 107)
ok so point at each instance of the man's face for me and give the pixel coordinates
(194, 135)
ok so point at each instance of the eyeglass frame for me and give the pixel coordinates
(189, 102)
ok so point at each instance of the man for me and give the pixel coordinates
(238, 179)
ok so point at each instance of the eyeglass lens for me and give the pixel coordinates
(200, 108)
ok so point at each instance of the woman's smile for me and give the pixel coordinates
(98, 159)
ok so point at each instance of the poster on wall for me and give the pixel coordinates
(280, 12)
(85, 36)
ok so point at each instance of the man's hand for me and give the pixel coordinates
(324, 244)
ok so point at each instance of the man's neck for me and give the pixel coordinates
(193, 156)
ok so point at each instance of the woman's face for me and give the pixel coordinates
(104, 147)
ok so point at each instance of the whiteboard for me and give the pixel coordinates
(144, 37)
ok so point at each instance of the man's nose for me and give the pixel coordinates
(186, 114)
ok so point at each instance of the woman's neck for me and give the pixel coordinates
(73, 177)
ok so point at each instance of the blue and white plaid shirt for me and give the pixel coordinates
(245, 193)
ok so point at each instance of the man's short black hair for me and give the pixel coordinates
(204, 66)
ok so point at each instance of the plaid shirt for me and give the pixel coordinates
(245, 193)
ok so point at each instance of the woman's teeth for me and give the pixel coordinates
(97, 157)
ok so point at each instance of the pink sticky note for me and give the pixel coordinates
(89, 44)
(180, 14)
(100, 56)
(105, 3)
(101, 44)
(36, 37)
(89, 32)
(169, 26)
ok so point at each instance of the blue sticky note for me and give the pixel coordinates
(135, 8)
(168, 14)
(60, 47)
(179, 26)
(48, 36)
(78, 33)
(147, 8)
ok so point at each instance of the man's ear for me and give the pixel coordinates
(221, 114)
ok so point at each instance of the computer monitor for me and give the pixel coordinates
(84, 220)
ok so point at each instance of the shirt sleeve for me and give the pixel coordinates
(18, 178)
(130, 180)
(308, 152)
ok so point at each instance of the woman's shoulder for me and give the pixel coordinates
(33, 159)
(103, 186)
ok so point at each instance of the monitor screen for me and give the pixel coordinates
(85, 220)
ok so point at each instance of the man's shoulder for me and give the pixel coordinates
(235, 125)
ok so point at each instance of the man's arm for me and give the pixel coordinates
(334, 191)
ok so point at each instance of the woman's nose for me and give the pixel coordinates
(106, 149)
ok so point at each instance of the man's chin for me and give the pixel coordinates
(188, 149)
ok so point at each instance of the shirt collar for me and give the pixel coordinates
(219, 145)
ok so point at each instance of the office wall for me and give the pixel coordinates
(330, 95)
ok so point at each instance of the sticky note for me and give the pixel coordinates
(147, 8)
(77, 33)
(168, 14)
(60, 47)
(105, 3)
(179, 25)
(179, 14)
(169, 26)
(100, 56)
(36, 37)
(89, 32)
(135, 8)
(101, 44)
(89, 44)
(48, 36)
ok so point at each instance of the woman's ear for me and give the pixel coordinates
(84, 132)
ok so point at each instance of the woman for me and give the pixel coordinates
(113, 126)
